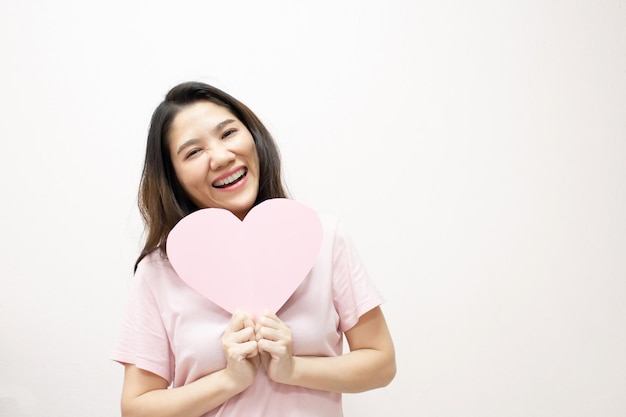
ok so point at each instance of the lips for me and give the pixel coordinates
(231, 178)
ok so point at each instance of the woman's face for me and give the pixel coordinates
(215, 158)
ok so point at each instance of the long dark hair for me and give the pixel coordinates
(162, 200)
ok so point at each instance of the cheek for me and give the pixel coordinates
(180, 174)
(187, 176)
(254, 155)
(256, 159)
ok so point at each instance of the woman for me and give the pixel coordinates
(184, 355)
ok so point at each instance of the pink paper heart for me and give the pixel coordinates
(252, 265)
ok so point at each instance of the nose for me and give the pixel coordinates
(220, 157)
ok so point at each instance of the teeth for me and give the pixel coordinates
(230, 179)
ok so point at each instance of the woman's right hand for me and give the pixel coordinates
(240, 348)
(147, 394)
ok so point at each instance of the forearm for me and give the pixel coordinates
(191, 400)
(370, 364)
(357, 371)
(146, 394)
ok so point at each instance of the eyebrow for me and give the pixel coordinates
(215, 131)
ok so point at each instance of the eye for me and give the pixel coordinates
(228, 133)
(192, 152)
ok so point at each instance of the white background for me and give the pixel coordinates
(474, 150)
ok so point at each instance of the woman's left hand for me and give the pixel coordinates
(275, 345)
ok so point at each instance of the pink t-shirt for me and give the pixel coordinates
(171, 330)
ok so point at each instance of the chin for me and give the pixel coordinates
(241, 210)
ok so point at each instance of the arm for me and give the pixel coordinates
(369, 364)
(147, 394)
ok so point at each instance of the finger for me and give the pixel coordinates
(236, 322)
(244, 335)
(269, 333)
(249, 324)
(262, 346)
(274, 349)
(250, 349)
(271, 321)
(241, 351)
(255, 352)
(271, 315)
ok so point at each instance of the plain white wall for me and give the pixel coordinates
(475, 151)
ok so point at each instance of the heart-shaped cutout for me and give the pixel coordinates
(251, 265)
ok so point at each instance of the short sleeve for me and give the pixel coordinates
(354, 293)
(143, 340)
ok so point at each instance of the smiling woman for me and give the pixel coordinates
(163, 200)
(186, 356)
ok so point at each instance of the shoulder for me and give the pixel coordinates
(155, 260)
(154, 270)
(329, 221)
(333, 227)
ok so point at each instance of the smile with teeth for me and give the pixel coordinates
(231, 179)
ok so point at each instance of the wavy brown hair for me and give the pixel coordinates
(162, 200)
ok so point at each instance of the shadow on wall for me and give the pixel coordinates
(16, 402)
